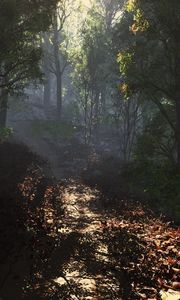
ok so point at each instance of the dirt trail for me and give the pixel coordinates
(82, 216)
(109, 254)
(58, 242)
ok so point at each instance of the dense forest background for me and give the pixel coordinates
(93, 89)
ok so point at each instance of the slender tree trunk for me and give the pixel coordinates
(178, 128)
(46, 70)
(103, 101)
(177, 95)
(96, 112)
(91, 118)
(47, 91)
(85, 120)
(59, 94)
(58, 70)
(3, 107)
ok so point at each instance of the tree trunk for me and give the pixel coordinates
(59, 94)
(47, 91)
(57, 70)
(177, 95)
(96, 111)
(103, 101)
(178, 128)
(3, 107)
(46, 70)
(86, 117)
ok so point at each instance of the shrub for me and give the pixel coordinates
(160, 184)
(5, 133)
(54, 129)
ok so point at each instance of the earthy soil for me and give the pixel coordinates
(71, 239)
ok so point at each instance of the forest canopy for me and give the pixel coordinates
(21, 23)
(121, 56)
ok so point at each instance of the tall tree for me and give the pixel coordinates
(21, 22)
(46, 67)
(150, 64)
(96, 66)
(89, 68)
(55, 51)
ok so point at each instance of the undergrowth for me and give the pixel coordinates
(53, 128)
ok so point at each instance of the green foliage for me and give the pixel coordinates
(5, 133)
(148, 36)
(95, 70)
(89, 60)
(156, 142)
(54, 129)
(71, 112)
(124, 59)
(21, 22)
(152, 72)
(160, 183)
(131, 5)
(154, 170)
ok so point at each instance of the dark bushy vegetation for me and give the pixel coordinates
(157, 184)
(27, 203)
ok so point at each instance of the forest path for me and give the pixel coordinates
(85, 271)
(59, 242)
(108, 255)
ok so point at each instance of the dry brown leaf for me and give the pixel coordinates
(170, 295)
(176, 270)
(176, 285)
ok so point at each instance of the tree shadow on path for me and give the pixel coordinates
(59, 242)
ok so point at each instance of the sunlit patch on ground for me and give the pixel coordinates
(72, 248)
(77, 199)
